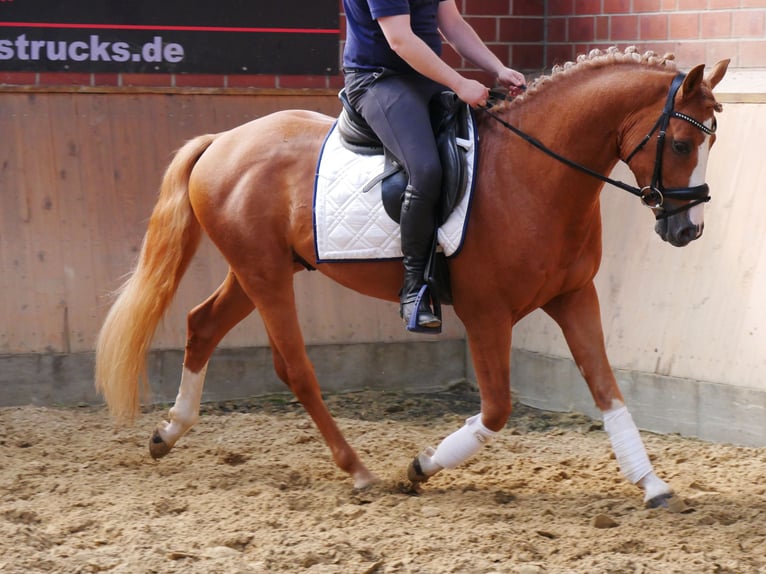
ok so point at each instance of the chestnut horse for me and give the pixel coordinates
(533, 241)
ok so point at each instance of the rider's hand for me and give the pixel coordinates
(473, 93)
(513, 80)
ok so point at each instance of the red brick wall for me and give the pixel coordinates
(696, 31)
(513, 29)
(532, 35)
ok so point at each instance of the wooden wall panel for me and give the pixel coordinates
(35, 312)
(80, 176)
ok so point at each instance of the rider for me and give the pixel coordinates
(392, 68)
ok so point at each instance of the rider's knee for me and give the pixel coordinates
(426, 180)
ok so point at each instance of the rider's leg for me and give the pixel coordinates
(396, 107)
(417, 227)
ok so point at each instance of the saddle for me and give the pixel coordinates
(449, 118)
(450, 121)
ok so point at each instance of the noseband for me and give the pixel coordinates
(652, 195)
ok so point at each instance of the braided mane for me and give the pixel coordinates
(599, 59)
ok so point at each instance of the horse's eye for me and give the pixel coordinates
(681, 147)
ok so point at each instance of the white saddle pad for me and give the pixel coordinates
(352, 225)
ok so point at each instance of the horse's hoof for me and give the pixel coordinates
(157, 446)
(670, 502)
(415, 472)
(365, 480)
(423, 467)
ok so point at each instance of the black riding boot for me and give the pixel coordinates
(417, 226)
(414, 298)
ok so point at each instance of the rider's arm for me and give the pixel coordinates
(414, 51)
(464, 39)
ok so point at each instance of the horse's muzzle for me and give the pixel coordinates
(678, 230)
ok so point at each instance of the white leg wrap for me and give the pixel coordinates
(462, 444)
(627, 444)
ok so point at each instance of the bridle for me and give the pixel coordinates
(655, 194)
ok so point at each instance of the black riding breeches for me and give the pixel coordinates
(396, 106)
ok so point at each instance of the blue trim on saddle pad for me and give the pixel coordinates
(314, 198)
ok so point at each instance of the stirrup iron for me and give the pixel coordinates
(413, 324)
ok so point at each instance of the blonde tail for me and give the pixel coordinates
(170, 242)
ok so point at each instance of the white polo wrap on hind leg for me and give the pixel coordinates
(463, 443)
(627, 444)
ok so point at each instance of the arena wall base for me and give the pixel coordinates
(67, 379)
(709, 411)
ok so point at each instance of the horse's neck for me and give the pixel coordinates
(582, 117)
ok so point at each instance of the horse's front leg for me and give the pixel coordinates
(490, 343)
(206, 325)
(579, 316)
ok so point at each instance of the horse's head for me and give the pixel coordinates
(671, 169)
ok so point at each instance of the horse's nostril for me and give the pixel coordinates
(689, 234)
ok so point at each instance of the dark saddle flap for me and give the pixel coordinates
(355, 133)
(449, 118)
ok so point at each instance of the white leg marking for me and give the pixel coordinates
(185, 411)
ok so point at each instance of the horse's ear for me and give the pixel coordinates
(717, 73)
(692, 82)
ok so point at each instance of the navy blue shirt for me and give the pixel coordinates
(366, 46)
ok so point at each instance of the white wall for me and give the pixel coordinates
(693, 317)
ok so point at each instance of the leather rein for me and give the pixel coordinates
(654, 195)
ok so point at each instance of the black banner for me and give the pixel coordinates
(170, 36)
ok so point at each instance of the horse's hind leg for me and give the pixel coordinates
(206, 326)
(275, 299)
(579, 316)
